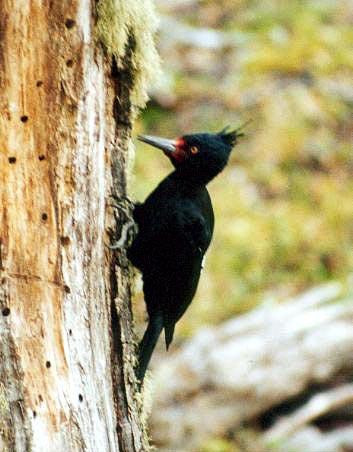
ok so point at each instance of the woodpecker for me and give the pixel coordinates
(175, 227)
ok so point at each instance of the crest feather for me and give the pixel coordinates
(232, 136)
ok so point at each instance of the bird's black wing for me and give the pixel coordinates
(186, 237)
(169, 249)
(168, 236)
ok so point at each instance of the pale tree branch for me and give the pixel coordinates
(317, 406)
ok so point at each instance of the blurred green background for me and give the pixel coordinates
(284, 204)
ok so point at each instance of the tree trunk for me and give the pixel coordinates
(66, 342)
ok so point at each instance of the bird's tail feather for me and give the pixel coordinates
(168, 334)
(147, 345)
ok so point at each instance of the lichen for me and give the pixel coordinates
(144, 401)
(117, 21)
(4, 406)
(4, 417)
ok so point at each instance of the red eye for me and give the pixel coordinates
(194, 150)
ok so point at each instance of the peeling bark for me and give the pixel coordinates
(66, 343)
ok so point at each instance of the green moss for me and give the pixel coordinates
(118, 22)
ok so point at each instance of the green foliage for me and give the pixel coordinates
(284, 205)
(219, 445)
(242, 440)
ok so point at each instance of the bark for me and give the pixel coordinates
(66, 341)
(233, 374)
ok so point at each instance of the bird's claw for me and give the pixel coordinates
(129, 228)
(128, 233)
(123, 203)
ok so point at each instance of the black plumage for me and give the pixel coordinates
(175, 227)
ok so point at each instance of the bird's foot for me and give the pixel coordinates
(128, 233)
(123, 204)
(125, 207)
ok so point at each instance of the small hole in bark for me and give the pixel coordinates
(69, 23)
(41, 157)
(70, 332)
(67, 289)
(6, 312)
(39, 83)
(24, 118)
(65, 240)
(48, 364)
(12, 160)
(80, 397)
(44, 216)
(34, 413)
(40, 397)
(69, 63)
(3, 280)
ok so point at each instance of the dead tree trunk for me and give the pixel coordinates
(68, 95)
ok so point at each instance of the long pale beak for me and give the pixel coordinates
(166, 145)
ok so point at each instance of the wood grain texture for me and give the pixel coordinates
(66, 344)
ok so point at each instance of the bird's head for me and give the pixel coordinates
(200, 156)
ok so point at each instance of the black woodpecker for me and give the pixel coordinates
(175, 227)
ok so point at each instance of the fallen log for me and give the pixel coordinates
(227, 375)
(317, 406)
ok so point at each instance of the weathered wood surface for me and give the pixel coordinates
(230, 374)
(66, 344)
